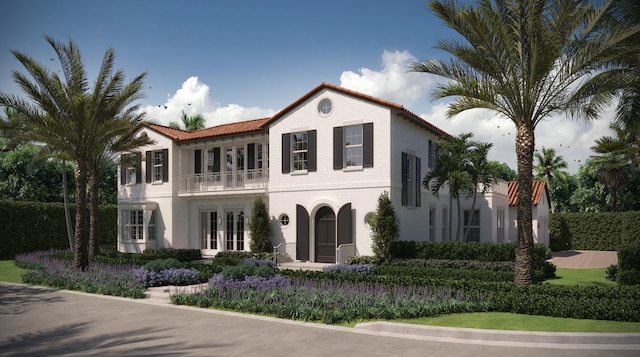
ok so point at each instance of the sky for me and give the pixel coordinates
(234, 60)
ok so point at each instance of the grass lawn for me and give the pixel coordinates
(9, 272)
(582, 277)
(508, 321)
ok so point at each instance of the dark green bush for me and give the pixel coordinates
(242, 270)
(162, 264)
(182, 255)
(444, 273)
(593, 231)
(629, 277)
(629, 264)
(363, 259)
(612, 272)
(32, 226)
(454, 264)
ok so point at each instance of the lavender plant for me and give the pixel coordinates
(171, 276)
(349, 268)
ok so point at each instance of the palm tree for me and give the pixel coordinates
(482, 176)
(65, 114)
(613, 165)
(190, 123)
(526, 60)
(549, 165)
(118, 120)
(452, 172)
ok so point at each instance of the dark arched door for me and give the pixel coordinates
(325, 236)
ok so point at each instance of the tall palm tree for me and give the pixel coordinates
(117, 119)
(482, 176)
(452, 172)
(526, 60)
(190, 123)
(549, 165)
(67, 115)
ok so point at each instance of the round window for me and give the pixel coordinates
(325, 106)
(370, 219)
(284, 220)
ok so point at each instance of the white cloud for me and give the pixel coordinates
(570, 138)
(393, 82)
(194, 98)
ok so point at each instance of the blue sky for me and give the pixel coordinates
(239, 60)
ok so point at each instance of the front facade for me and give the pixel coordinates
(320, 165)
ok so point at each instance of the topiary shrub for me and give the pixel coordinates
(385, 228)
(162, 264)
(260, 228)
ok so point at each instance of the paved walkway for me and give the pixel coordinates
(36, 321)
(580, 259)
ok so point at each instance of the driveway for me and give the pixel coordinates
(36, 321)
(580, 259)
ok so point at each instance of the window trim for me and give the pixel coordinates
(339, 147)
(152, 167)
(150, 221)
(411, 196)
(471, 227)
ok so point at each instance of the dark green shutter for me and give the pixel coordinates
(302, 233)
(286, 153)
(405, 188)
(216, 159)
(345, 225)
(367, 145)
(123, 169)
(418, 190)
(165, 165)
(197, 155)
(312, 151)
(338, 148)
(148, 165)
(251, 156)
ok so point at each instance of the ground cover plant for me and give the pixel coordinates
(328, 301)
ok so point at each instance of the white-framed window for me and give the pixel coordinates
(211, 160)
(139, 224)
(284, 220)
(353, 146)
(135, 225)
(474, 227)
(130, 166)
(158, 162)
(208, 230)
(500, 225)
(234, 230)
(325, 106)
(151, 226)
(131, 175)
(411, 193)
(300, 151)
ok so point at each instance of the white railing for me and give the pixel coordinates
(218, 181)
(344, 251)
(284, 253)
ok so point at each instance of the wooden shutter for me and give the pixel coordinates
(286, 153)
(165, 165)
(338, 148)
(431, 155)
(149, 165)
(138, 168)
(345, 225)
(405, 188)
(251, 156)
(312, 151)
(302, 233)
(197, 155)
(367, 145)
(418, 183)
(216, 159)
(123, 169)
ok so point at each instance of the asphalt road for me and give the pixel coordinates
(37, 321)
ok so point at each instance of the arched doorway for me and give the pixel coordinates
(325, 238)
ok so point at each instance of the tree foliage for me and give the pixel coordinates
(385, 228)
(260, 228)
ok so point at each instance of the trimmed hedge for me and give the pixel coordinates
(31, 226)
(593, 231)
(484, 251)
(629, 265)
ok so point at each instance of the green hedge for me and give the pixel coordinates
(593, 231)
(31, 226)
(484, 251)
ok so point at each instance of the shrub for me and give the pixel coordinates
(171, 276)
(385, 228)
(594, 231)
(182, 255)
(612, 272)
(260, 228)
(363, 259)
(629, 264)
(629, 277)
(162, 264)
(349, 268)
(242, 270)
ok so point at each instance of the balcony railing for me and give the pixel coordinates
(219, 181)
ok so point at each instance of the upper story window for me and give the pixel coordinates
(325, 106)
(353, 146)
(157, 166)
(411, 194)
(299, 151)
(130, 173)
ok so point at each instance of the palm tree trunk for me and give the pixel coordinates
(525, 143)
(81, 258)
(473, 207)
(94, 238)
(460, 219)
(65, 198)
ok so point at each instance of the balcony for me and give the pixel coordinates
(225, 181)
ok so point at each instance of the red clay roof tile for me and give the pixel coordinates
(539, 188)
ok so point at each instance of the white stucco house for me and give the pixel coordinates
(319, 164)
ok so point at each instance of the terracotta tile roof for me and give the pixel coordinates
(262, 124)
(393, 106)
(539, 188)
(214, 131)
